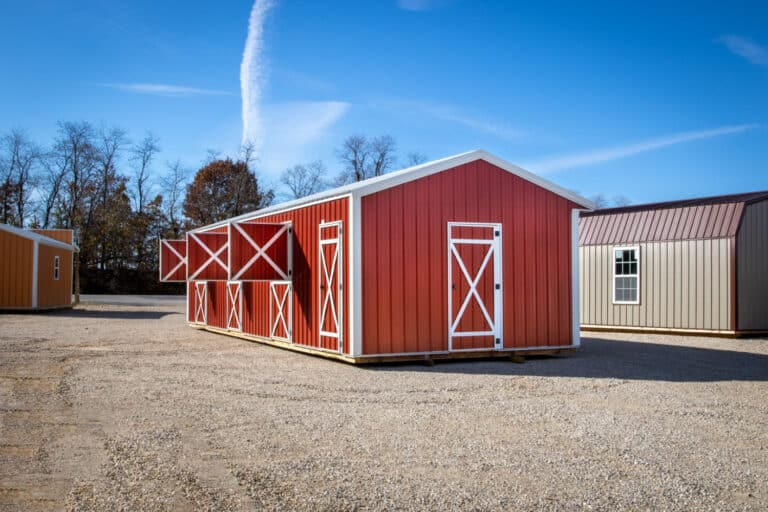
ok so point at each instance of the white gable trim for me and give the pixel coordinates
(393, 179)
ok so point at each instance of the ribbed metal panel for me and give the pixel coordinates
(256, 297)
(53, 292)
(667, 224)
(405, 258)
(683, 285)
(752, 268)
(15, 271)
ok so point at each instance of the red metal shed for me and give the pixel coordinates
(464, 256)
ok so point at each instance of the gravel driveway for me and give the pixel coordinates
(113, 407)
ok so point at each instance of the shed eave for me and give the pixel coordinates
(37, 238)
(393, 179)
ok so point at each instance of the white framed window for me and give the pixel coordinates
(55, 268)
(626, 275)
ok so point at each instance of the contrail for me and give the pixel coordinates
(252, 71)
(615, 153)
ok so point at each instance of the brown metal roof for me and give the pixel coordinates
(688, 219)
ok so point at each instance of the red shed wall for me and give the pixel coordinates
(404, 258)
(305, 222)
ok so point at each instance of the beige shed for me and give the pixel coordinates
(697, 265)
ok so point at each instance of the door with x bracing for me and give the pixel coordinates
(331, 286)
(474, 286)
(281, 310)
(235, 306)
(201, 302)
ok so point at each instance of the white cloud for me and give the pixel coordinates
(747, 49)
(296, 132)
(500, 130)
(252, 70)
(164, 89)
(456, 115)
(618, 152)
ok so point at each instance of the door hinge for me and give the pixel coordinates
(497, 233)
(498, 286)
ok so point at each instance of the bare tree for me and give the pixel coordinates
(382, 151)
(354, 156)
(143, 154)
(173, 184)
(19, 158)
(110, 144)
(305, 179)
(73, 161)
(416, 158)
(248, 154)
(600, 201)
(621, 200)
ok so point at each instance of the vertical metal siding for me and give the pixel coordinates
(404, 258)
(256, 305)
(15, 271)
(683, 285)
(52, 292)
(752, 268)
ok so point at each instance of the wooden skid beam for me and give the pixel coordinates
(417, 358)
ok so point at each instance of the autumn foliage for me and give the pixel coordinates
(223, 189)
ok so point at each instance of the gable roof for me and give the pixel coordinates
(36, 237)
(393, 179)
(686, 219)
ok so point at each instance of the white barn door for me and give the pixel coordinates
(331, 286)
(474, 286)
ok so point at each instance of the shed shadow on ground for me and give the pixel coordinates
(615, 359)
(111, 314)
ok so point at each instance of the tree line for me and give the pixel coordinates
(119, 199)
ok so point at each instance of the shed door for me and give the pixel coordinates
(235, 306)
(281, 310)
(330, 269)
(201, 302)
(474, 286)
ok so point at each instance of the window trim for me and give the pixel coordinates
(635, 248)
(56, 267)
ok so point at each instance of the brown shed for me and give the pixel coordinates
(696, 265)
(35, 268)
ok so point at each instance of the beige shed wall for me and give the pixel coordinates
(683, 285)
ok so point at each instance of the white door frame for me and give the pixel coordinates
(325, 275)
(494, 254)
(201, 302)
(235, 297)
(261, 250)
(284, 305)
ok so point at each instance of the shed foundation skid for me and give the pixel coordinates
(465, 257)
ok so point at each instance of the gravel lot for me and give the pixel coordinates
(112, 407)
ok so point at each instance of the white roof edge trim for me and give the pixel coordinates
(393, 179)
(34, 236)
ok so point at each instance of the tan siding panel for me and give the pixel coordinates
(683, 285)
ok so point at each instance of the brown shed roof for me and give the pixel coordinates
(688, 219)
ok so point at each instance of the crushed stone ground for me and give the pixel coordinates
(127, 408)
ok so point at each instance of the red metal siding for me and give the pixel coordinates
(201, 266)
(404, 258)
(256, 297)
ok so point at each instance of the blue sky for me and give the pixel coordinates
(651, 101)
